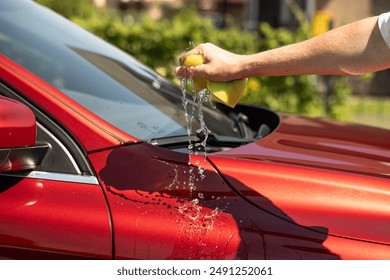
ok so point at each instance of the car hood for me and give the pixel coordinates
(319, 173)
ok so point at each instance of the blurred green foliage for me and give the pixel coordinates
(70, 8)
(159, 43)
(295, 94)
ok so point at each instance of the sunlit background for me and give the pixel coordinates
(156, 32)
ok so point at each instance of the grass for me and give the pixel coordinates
(374, 111)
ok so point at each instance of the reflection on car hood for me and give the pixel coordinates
(324, 144)
(320, 173)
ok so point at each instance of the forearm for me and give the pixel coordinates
(352, 49)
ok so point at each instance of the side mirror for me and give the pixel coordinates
(18, 149)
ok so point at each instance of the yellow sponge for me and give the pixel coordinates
(228, 93)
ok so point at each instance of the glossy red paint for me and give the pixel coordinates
(352, 249)
(50, 219)
(324, 144)
(163, 208)
(93, 132)
(319, 175)
(17, 124)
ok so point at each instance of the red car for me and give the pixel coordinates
(94, 163)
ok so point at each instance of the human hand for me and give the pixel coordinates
(219, 65)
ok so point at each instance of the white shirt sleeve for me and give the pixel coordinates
(384, 27)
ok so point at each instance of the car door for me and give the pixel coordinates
(57, 211)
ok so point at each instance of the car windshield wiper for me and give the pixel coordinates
(173, 141)
(212, 140)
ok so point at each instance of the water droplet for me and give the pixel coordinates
(157, 83)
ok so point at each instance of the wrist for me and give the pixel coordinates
(245, 64)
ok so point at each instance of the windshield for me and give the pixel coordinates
(102, 78)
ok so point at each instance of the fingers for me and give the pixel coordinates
(218, 64)
(184, 71)
(197, 50)
(188, 71)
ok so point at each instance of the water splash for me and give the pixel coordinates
(200, 97)
(189, 116)
(191, 45)
(200, 219)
